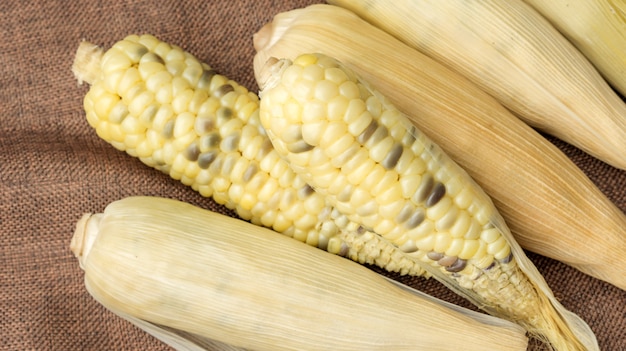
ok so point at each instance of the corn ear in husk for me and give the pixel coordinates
(550, 205)
(169, 264)
(597, 29)
(517, 56)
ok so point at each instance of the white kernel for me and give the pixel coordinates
(388, 180)
(374, 106)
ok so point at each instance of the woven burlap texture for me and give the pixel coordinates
(54, 167)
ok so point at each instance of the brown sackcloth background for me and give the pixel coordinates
(53, 167)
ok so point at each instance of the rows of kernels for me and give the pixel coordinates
(454, 216)
(152, 98)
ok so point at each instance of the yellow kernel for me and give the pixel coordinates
(490, 235)
(446, 221)
(503, 253)
(474, 231)
(470, 248)
(149, 68)
(442, 242)
(464, 198)
(140, 102)
(379, 151)
(184, 123)
(484, 213)
(426, 243)
(455, 247)
(440, 209)
(281, 223)
(390, 210)
(325, 90)
(374, 106)
(359, 123)
(497, 245)
(305, 60)
(335, 75)
(390, 190)
(461, 225)
(341, 159)
(114, 60)
(104, 104)
(313, 73)
(384, 227)
(334, 131)
(129, 79)
(340, 145)
(132, 126)
(336, 108)
(427, 227)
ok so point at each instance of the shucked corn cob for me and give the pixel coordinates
(160, 104)
(514, 54)
(350, 144)
(550, 205)
(166, 262)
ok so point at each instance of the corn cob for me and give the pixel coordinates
(160, 104)
(551, 206)
(514, 54)
(351, 145)
(169, 263)
(597, 29)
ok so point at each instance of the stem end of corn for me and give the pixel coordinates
(84, 236)
(86, 66)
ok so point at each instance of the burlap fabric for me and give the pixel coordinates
(54, 167)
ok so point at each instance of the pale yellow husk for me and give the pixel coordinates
(514, 54)
(550, 205)
(597, 29)
(173, 265)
